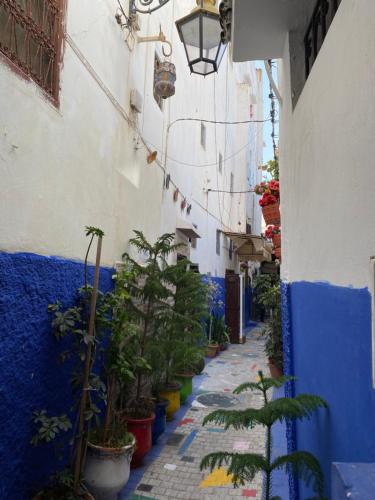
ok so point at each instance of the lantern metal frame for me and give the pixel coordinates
(204, 9)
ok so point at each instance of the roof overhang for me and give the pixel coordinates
(251, 247)
(259, 27)
(187, 229)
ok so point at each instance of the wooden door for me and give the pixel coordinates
(232, 306)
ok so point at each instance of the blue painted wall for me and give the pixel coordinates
(30, 377)
(220, 297)
(330, 353)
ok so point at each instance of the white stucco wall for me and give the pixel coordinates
(83, 164)
(327, 151)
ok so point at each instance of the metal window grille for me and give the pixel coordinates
(30, 36)
(218, 238)
(203, 135)
(323, 14)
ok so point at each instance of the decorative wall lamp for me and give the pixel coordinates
(200, 32)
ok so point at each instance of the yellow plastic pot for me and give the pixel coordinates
(172, 394)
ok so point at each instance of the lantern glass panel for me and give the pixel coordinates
(190, 31)
(211, 34)
(203, 67)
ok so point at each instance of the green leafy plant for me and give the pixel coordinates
(150, 298)
(272, 168)
(215, 305)
(243, 467)
(267, 292)
(219, 330)
(181, 335)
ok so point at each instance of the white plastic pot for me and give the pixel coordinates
(107, 470)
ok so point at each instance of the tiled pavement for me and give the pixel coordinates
(171, 470)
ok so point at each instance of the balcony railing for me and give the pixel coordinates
(320, 22)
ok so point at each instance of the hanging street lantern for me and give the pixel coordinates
(200, 32)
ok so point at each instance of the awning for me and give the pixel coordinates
(187, 229)
(251, 247)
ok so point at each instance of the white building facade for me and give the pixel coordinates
(74, 153)
(326, 68)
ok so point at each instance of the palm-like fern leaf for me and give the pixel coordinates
(306, 467)
(242, 467)
(238, 419)
(302, 406)
(263, 385)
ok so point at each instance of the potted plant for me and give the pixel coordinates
(149, 296)
(215, 307)
(270, 192)
(160, 404)
(244, 467)
(268, 295)
(80, 328)
(220, 331)
(110, 447)
(189, 309)
(274, 233)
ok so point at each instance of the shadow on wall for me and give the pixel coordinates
(331, 345)
(30, 375)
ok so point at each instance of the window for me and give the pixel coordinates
(231, 183)
(220, 163)
(323, 14)
(218, 241)
(203, 135)
(30, 36)
(157, 97)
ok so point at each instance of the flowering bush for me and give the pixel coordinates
(270, 192)
(271, 231)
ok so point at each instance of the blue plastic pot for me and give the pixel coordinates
(160, 421)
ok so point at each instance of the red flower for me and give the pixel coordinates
(268, 199)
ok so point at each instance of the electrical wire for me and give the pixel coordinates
(242, 122)
(230, 192)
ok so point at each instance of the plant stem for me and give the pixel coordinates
(108, 414)
(86, 376)
(268, 446)
(143, 347)
(268, 458)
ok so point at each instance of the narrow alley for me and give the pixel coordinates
(171, 470)
(187, 197)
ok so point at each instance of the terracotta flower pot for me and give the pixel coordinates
(275, 371)
(276, 240)
(107, 470)
(186, 381)
(277, 252)
(142, 431)
(211, 350)
(271, 214)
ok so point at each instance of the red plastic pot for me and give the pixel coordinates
(142, 431)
